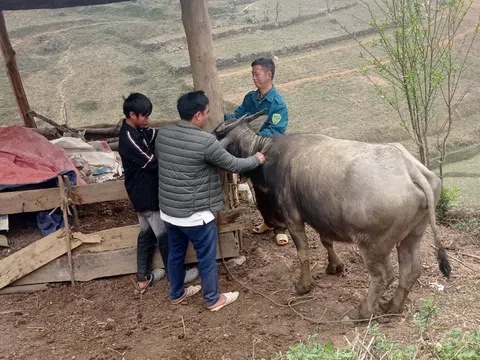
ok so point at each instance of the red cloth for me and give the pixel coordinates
(27, 157)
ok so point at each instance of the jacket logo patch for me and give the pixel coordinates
(276, 118)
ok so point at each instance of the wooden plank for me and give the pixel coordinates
(94, 265)
(16, 202)
(51, 4)
(37, 254)
(95, 193)
(3, 241)
(23, 289)
(126, 237)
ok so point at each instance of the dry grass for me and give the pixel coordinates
(86, 59)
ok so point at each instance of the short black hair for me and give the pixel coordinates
(137, 103)
(266, 63)
(190, 103)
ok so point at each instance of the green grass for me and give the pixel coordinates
(316, 62)
(372, 344)
(344, 107)
(95, 56)
(270, 40)
(469, 189)
(125, 10)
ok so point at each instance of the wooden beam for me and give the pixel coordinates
(126, 236)
(95, 193)
(37, 254)
(13, 73)
(15, 202)
(202, 57)
(95, 265)
(51, 4)
(23, 289)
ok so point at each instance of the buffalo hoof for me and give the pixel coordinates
(334, 269)
(385, 306)
(355, 316)
(302, 288)
(389, 307)
(347, 321)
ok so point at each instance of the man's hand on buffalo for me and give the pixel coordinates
(260, 157)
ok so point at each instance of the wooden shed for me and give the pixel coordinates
(61, 255)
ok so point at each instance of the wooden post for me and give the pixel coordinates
(202, 57)
(68, 234)
(76, 221)
(14, 75)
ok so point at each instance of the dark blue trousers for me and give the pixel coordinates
(204, 240)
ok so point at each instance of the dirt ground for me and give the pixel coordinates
(102, 319)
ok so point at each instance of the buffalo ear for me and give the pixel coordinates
(256, 124)
(225, 142)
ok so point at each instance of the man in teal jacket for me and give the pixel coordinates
(265, 97)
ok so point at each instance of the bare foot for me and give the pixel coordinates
(142, 284)
(221, 300)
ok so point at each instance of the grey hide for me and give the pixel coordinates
(377, 196)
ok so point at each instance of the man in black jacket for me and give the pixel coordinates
(137, 150)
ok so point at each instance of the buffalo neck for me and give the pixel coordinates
(250, 145)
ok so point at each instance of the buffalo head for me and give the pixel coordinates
(238, 135)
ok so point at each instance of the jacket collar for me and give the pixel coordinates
(269, 96)
(188, 125)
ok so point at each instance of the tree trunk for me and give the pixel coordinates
(204, 65)
(202, 57)
(14, 75)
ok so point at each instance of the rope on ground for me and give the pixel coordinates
(301, 300)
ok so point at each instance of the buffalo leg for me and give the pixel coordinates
(409, 267)
(267, 206)
(297, 232)
(335, 265)
(380, 270)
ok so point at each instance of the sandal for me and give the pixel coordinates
(230, 297)
(140, 290)
(155, 276)
(281, 239)
(188, 292)
(260, 229)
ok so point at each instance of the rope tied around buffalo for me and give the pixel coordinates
(300, 300)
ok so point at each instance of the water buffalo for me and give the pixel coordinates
(377, 196)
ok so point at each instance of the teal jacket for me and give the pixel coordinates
(277, 112)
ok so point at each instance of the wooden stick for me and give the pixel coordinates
(49, 133)
(14, 74)
(62, 128)
(68, 235)
(469, 255)
(74, 207)
(25, 289)
(6, 312)
(184, 330)
(107, 132)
